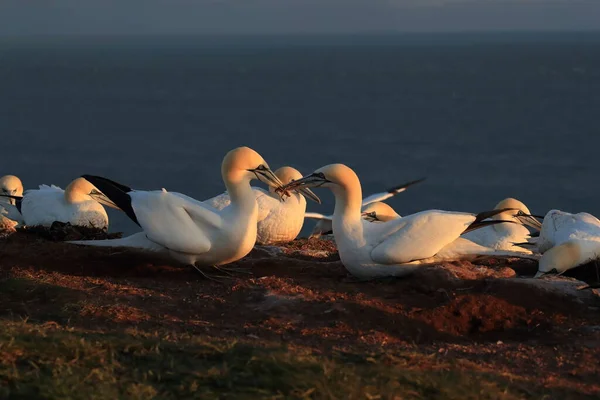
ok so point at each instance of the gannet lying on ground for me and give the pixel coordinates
(12, 186)
(504, 236)
(278, 221)
(324, 226)
(79, 204)
(397, 247)
(566, 241)
(189, 230)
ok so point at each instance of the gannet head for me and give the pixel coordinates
(12, 186)
(519, 213)
(289, 174)
(81, 190)
(379, 212)
(333, 176)
(244, 164)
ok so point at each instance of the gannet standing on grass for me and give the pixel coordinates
(397, 247)
(278, 221)
(504, 236)
(324, 226)
(191, 231)
(10, 185)
(79, 204)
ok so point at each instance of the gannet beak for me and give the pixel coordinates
(102, 199)
(370, 216)
(264, 174)
(315, 179)
(529, 220)
(309, 194)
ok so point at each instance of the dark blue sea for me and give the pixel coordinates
(482, 116)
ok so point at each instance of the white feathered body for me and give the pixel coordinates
(397, 247)
(500, 236)
(194, 232)
(278, 221)
(48, 204)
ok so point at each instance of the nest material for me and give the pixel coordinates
(60, 232)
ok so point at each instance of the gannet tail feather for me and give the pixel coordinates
(137, 241)
(116, 192)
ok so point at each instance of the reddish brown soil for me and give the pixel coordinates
(484, 320)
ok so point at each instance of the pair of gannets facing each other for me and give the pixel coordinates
(397, 247)
(506, 236)
(79, 204)
(191, 231)
(278, 221)
(566, 241)
(375, 201)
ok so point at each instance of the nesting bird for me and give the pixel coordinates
(397, 247)
(79, 204)
(192, 231)
(324, 225)
(278, 221)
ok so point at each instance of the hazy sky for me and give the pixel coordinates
(26, 17)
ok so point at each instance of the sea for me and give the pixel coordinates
(481, 116)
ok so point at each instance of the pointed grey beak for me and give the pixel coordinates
(312, 180)
(529, 220)
(309, 194)
(267, 176)
(370, 216)
(102, 199)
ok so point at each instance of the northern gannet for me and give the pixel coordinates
(323, 226)
(372, 212)
(397, 247)
(505, 236)
(567, 241)
(12, 186)
(79, 204)
(191, 231)
(278, 221)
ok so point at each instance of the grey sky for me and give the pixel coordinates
(27, 17)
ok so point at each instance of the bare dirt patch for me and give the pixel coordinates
(479, 316)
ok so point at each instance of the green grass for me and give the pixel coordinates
(52, 362)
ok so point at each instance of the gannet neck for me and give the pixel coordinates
(237, 172)
(348, 195)
(78, 191)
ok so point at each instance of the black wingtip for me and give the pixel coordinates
(404, 185)
(117, 192)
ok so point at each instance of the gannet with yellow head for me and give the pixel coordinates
(505, 236)
(397, 247)
(278, 221)
(79, 204)
(191, 231)
(324, 226)
(10, 185)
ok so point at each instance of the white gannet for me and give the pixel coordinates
(191, 231)
(505, 236)
(372, 212)
(278, 221)
(323, 226)
(394, 248)
(10, 185)
(567, 241)
(79, 204)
